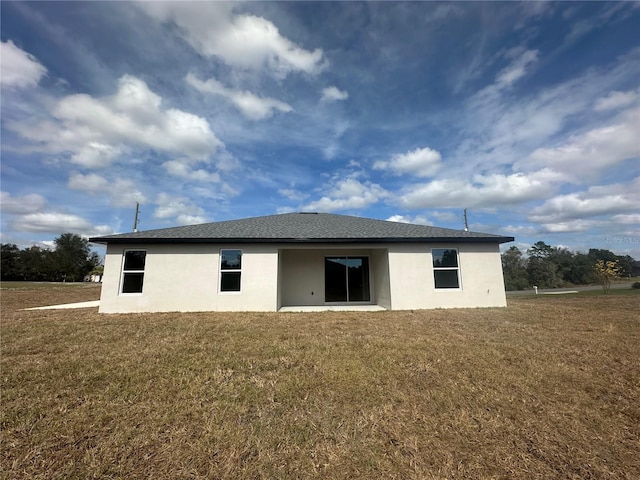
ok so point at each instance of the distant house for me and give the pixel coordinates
(298, 261)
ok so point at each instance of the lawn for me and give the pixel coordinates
(546, 388)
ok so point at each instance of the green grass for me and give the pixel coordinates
(541, 389)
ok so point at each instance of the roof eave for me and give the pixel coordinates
(141, 240)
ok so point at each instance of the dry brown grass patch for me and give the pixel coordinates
(546, 388)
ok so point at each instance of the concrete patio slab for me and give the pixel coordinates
(333, 308)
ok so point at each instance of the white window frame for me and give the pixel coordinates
(233, 270)
(436, 269)
(124, 272)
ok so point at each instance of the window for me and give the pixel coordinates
(133, 271)
(230, 270)
(445, 267)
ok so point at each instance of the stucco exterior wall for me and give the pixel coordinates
(381, 288)
(185, 277)
(412, 281)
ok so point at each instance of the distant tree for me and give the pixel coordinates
(514, 270)
(73, 257)
(605, 272)
(10, 257)
(38, 264)
(581, 271)
(540, 250)
(574, 268)
(543, 273)
(601, 254)
(626, 263)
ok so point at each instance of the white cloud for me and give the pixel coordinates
(251, 106)
(242, 41)
(348, 193)
(93, 130)
(95, 155)
(21, 205)
(446, 216)
(182, 209)
(497, 128)
(186, 219)
(333, 94)
(517, 69)
(18, 68)
(293, 194)
(588, 153)
(181, 169)
(121, 192)
(595, 201)
(627, 219)
(88, 183)
(484, 190)
(569, 226)
(57, 223)
(616, 100)
(421, 162)
(417, 220)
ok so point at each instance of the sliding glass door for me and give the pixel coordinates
(346, 279)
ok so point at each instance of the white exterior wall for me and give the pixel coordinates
(381, 288)
(186, 277)
(413, 286)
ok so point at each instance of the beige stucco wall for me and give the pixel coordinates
(412, 282)
(381, 288)
(185, 277)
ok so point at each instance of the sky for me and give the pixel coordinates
(525, 114)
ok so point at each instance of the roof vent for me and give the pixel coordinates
(308, 213)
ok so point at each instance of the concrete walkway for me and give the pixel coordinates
(575, 289)
(334, 308)
(92, 303)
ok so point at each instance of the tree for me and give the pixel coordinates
(11, 267)
(626, 265)
(543, 273)
(602, 254)
(540, 250)
(73, 257)
(38, 264)
(574, 268)
(605, 271)
(581, 272)
(514, 270)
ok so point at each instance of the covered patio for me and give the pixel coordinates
(326, 278)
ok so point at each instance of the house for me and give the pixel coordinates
(298, 261)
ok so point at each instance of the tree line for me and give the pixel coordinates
(552, 267)
(71, 260)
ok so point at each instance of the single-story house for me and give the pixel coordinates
(298, 261)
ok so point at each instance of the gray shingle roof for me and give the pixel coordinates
(301, 228)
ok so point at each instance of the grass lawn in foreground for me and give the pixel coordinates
(546, 388)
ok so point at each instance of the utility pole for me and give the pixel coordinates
(135, 220)
(466, 221)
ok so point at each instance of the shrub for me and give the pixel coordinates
(635, 285)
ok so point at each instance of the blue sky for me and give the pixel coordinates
(526, 114)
